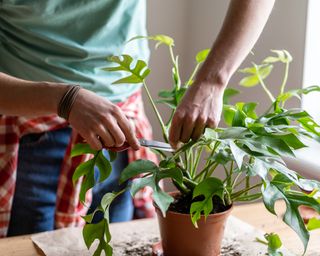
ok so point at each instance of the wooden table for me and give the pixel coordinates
(254, 214)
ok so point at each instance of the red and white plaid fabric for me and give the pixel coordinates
(68, 207)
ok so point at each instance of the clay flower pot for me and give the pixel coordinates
(180, 238)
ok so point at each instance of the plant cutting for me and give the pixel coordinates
(250, 147)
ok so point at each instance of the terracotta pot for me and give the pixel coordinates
(181, 238)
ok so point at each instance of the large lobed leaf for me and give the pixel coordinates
(207, 188)
(87, 169)
(138, 71)
(279, 188)
(153, 175)
(100, 230)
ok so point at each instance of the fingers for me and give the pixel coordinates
(187, 128)
(127, 130)
(93, 141)
(105, 136)
(93, 116)
(120, 129)
(199, 127)
(175, 129)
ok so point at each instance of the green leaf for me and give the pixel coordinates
(253, 80)
(202, 55)
(162, 199)
(138, 72)
(103, 165)
(87, 183)
(89, 217)
(229, 93)
(170, 103)
(310, 125)
(161, 39)
(297, 93)
(83, 169)
(291, 140)
(166, 94)
(113, 155)
(239, 118)
(92, 232)
(276, 145)
(86, 169)
(249, 109)
(228, 113)
(207, 188)
(137, 167)
(313, 223)
(277, 189)
(237, 153)
(100, 230)
(234, 133)
(81, 149)
(173, 173)
(273, 242)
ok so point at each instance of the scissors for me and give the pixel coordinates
(153, 144)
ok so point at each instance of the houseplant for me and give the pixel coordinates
(250, 146)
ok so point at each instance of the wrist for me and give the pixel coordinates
(213, 76)
(67, 100)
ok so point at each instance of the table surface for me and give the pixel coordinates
(254, 214)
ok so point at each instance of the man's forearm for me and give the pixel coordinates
(28, 98)
(242, 26)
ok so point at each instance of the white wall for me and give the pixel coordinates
(311, 75)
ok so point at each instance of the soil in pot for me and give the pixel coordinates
(180, 237)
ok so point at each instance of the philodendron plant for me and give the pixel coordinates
(252, 145)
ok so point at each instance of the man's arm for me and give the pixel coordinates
(202, 105)
(91, 115)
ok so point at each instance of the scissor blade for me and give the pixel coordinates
(156, 145)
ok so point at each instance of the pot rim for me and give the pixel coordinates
(188, 214)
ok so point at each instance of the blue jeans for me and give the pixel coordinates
(39, 164)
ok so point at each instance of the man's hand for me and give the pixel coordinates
(200, 108)
(100, 122)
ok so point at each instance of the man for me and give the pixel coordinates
(65, 43)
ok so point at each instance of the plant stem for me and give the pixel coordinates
(240, 182)
(247, 183)
(209, 173)
(189, 183)
(261, 241)
(235, 180)
(239, 193)
(201, 172)
(285, 78)
(181, 188)
(176, 67)
(198, 155)
(157, 112)
(230, 174)
(172, 55)
(189, 82)
(263, 85)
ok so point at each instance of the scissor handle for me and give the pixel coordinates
(124, 147)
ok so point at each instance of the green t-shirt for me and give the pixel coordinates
(68, 41)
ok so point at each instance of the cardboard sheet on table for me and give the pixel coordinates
(142, 233)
